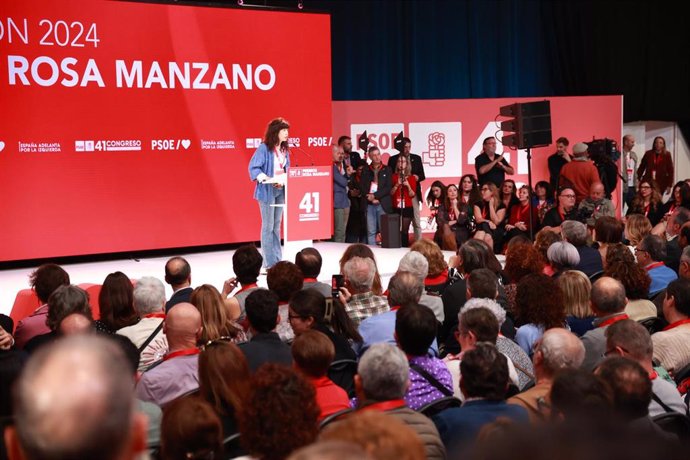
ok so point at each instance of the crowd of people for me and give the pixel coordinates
(581, 337)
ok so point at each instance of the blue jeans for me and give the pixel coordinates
(374, 213)
(271, 217)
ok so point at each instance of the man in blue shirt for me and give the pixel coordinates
(650, 253)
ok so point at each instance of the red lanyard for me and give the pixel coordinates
(654, 265)
(653, 375)
(244, 288)
(177, 354)
(385, 405)
(310, 280)
(677, 323)
(561, 214)
(155, 315)
(613, 319)
(646, 209)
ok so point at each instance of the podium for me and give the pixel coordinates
(308, 209)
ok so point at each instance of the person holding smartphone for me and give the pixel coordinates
(268, 168)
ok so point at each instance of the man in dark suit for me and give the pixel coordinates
(376, 186)
(265, 345)
(178, 274)
(418, 173)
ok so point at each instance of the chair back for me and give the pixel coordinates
(342, 373)
(674, 422)
(439, 405)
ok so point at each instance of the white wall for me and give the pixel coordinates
(646, 131)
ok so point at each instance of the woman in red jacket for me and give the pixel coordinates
(657, 166)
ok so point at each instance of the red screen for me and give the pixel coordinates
(129, 126)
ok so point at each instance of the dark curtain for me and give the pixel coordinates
(443, 49)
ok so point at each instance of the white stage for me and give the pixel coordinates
(207, 268)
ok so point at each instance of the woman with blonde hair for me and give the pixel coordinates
(488, 214)
(637, 227)
(215, 316)
(437, 279)
(576, 289)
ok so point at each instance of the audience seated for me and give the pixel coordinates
(538, 307)
(672, 345)
(674, 223)
(224, 383)
(148, 334)
(44, 280)
(562, 256)
(608, 304)
(177, 373)
(484, 383)
(309, 261)
(280, 413)
(216, 318)
(404, 289)
(415, 263)
(522, 259)
(246, 264)
(361, 301)
(430, 379)
(312, 354)
(436, 279)
(190, 430)
(576, 289)
(331, 450)
(116, 304)
(383, 376)
(380, 435)
(575, 233)
(508, 347)
(620, 264)
(86, 405)
(650, 253)
(284, 279)
(265, 344)
(631, 340)
(178, 274)
(362, 250)
(558, 349)
(475, 325)
(64, 301)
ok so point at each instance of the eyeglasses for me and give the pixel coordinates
(568, 196)
(291, 317)
(486, 189)
(645, 186)
(639, 250)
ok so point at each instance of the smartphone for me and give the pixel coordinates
(337, 281)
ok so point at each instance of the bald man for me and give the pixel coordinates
(75, 399)
(596, 205)
(178, 274)
(177, 373)
(558, 349)
(76, 323)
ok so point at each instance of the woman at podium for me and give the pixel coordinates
(268, 168)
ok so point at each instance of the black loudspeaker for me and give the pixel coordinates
(390, 231)
(531, 126)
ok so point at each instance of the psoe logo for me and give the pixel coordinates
(294, 142)
(253, 142)
(84, 146)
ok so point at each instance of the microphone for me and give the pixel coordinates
(305, 153)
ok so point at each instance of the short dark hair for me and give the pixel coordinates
(180, 273)
(64, 301)
(342, 139)
(261, 307)
(484, 373)
(284, 278)
(474, 255)
(481, 322)
(580, 396)
(372, 148)
(563, 140)
(313, 353)
(309, 303)
(685, 232)
(483, 283)
(246, 263)
(46, 278)
(415, 328)
(609, 230)
(487, 139)
(680, 291)
(630, 385)
(309, 261)
(655, 246)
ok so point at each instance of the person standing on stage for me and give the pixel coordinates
(351, 157)
(268, 167)
(558, 160)
(376, 186)
(417, 167)
(491, 167)
(341, 203)
(403, 192)
(628, 166)
(657, 166)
